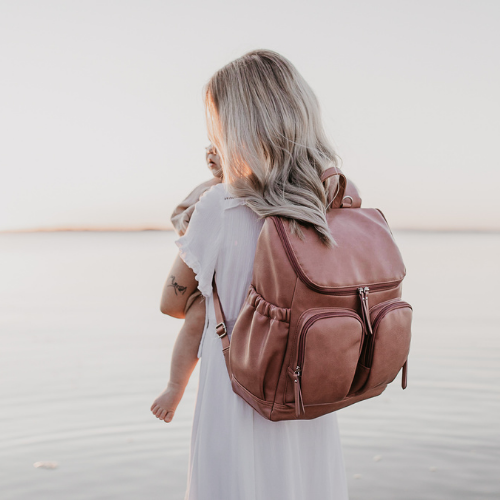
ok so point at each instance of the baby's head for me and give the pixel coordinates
(213, 161)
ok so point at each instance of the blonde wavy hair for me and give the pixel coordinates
(266, 123)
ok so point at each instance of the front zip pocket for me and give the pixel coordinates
(329, 344)
(386, 350)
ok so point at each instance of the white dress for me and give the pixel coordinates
(236, 454)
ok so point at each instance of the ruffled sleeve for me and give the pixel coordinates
(199, 247)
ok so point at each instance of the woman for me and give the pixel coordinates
(265, 122)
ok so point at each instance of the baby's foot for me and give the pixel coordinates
(165, 404)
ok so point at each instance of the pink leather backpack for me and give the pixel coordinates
(321, 328)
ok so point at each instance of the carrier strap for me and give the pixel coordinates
(337, 197)
(221, 329)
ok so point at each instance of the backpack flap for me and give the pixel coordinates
(365, 255)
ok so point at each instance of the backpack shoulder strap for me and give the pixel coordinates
(221, 329)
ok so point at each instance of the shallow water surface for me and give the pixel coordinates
(84, 351)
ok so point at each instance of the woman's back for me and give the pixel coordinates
(236, 454)
(240, 228)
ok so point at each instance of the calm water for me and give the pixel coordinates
(84, 351)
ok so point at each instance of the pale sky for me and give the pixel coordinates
(102, 123)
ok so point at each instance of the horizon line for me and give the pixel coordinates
(170, 228)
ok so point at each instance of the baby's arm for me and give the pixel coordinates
(181, 299)
(184, 359)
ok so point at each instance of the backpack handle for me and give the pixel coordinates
(338, 197)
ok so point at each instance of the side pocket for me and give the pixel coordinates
(258, 344)
(387, 349)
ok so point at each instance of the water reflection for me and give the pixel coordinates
(85, 350)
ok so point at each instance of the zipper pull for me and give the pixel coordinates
(404, 377)
(361, 293)
(365, 310)
(299, 403)
(368, 319)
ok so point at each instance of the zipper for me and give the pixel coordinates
(299, 405)
(376, 309)
(349, 290)
(397, 304)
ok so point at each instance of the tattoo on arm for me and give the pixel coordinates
(177, 287)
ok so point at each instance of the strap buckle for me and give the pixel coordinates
(221, 324)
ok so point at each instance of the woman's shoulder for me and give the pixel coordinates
(218, 198)
(212, 199)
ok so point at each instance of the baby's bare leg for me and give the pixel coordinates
(184, 359)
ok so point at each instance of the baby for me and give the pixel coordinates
(185, 353)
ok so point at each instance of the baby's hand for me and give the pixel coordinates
(165, 404)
